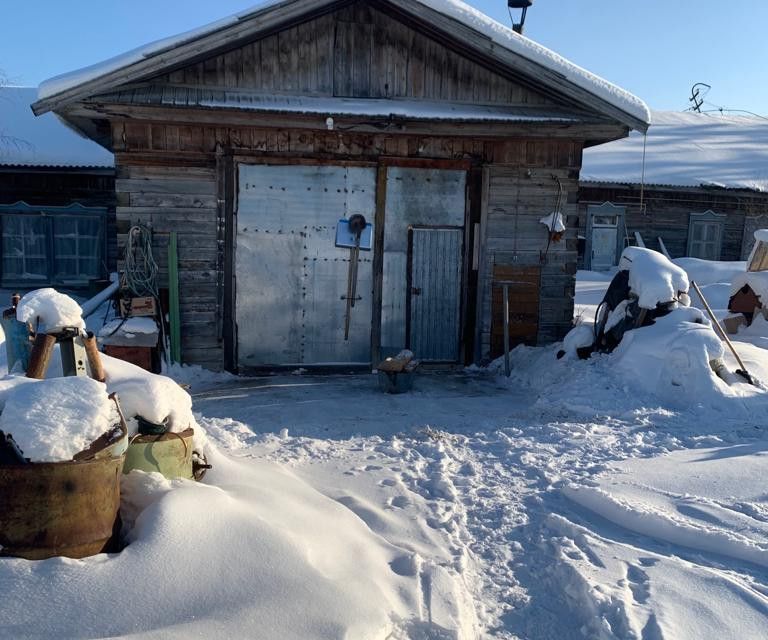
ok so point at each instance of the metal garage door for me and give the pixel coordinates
(291, 279)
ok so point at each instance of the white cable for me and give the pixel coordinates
(140, 274)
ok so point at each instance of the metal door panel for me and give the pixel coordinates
(435, 295)
(269, 321)
(290, 275)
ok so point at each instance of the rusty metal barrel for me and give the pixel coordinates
(59, 508)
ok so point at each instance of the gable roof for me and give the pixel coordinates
(42, 142)
(496, 42)
(687, 149)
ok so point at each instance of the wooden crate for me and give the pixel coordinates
(140, 356)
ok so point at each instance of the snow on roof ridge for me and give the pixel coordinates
(535, 52)
(456, 9)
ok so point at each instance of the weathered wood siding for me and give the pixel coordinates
(518, 195)
(356, 51)
(167, 178)
(667, 213)
(179, 195)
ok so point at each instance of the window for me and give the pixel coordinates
(76, 248)
(51, 245)
(25, 250)
(705, 235)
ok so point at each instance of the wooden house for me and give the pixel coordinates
(57, 210)
(253, 137)
(698, 182)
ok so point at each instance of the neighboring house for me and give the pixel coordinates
(56, 200)
(705, 189)
(252, 137)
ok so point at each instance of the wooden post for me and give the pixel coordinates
(506, 329)
(173, 299)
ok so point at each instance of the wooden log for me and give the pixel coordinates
(40, 358)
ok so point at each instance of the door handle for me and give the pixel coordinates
(415, 291)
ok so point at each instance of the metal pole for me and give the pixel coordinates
(506, 329)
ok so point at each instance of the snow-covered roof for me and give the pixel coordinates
(456, 10)
(27, 140)
(687, 149)
(216, 98)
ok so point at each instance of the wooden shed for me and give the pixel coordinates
(57, 200)
(698, 183)
(253, 137)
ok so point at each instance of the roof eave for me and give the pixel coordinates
(264, 20)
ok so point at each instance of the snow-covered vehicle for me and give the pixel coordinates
(647, 286)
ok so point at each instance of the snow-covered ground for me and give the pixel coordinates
(563, 502)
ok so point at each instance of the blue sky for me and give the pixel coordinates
(655, 48)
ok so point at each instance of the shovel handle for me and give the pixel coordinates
(723, 335)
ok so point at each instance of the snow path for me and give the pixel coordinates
(471, 475)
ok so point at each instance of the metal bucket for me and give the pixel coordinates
(59, 508)
(168, 453)
(400, 382)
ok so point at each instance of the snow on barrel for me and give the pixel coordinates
(52, 420)
(50, 311)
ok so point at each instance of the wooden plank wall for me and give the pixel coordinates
(517, 196)
(179, 195)
(356, 51)
(167, 178)
(667, 213)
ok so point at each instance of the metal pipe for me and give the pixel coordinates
(42, 349)
(94, 358)
(89, 306)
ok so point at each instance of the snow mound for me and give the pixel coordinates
(582, 335)
(260, 554)
(652, 277)
(51, 309)
(52, 420)
(706, 272)
(671, 357)
(673, 498)
(154, 397)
